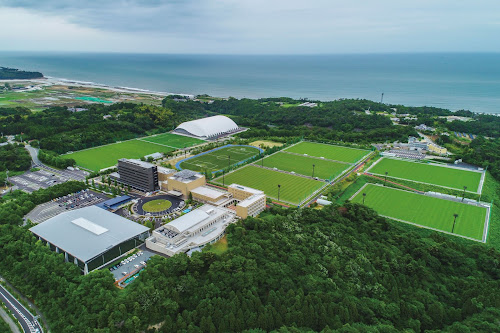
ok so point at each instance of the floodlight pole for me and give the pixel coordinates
(463, 196)
(385, 181)
(364, 196)
(223, 173)
(262, 164)
(313, 170)
(229, 161)
(454, 220)
(279, 187)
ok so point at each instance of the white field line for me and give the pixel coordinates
(357, 192)
(415, 181)
(156, 143)
(486, 224)
(315, 157)
(415, 224)
(330, 144)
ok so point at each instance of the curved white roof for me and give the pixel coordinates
(208, 127)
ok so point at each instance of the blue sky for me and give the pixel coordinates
(250, 26)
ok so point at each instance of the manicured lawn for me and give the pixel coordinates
(218, 159)
(324, 169)
(331, 152)
(431, 174)
(107, 156)
(424, 210)
(154, 206)
(294, 189)
(173, 140)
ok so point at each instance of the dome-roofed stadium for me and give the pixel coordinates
(208, 128)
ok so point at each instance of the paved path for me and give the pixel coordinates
(12, 325)
(66, 174)
(25, 318)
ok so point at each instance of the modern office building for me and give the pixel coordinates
(139, 175)
(90, 237)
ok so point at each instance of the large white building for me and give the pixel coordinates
(208, 128)
(90, 237)
(204, 225)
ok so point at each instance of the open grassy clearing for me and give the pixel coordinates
(331, 152)
(424, 210)
(173, 140)
(154, 206)
(294, 189)
(106, 156)
(303, 165)
(431, 174)
(218, 159)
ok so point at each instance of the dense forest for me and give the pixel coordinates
(14, 157)
(16, 74)
(340, 269)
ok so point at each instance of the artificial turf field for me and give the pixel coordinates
(324, 169)
(173, 140)
(106, 156)
(425, 173)
(424, 210)
(331, 152)
(294, 189)
(218, 159)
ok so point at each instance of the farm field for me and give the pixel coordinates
(173, 140)
(331, 152)
(425, 173)
(294, 189)
(218, 159)
(105, 156)
(424, 210)
(324, 169)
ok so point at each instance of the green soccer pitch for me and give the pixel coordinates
(293, 189)
(426, 173)
(424, 210)
(106, 156)
(218, 159)
(173, 140)
(331, 152)
(324, 169)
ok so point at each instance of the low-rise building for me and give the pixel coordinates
(202, 226)
(182, 182)
(437, 149)
(210, 195)
(252, 201)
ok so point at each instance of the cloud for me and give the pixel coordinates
(269, 26)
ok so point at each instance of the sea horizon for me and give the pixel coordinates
(454, 81)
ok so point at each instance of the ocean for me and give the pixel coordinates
(454, 81)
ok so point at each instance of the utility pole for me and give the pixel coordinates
(382, 98)
(454, 220)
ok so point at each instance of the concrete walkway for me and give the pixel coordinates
(5, 316)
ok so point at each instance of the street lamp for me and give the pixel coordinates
(385, 181)
(364, 196)
(463, 196)
(313, 170)
(454, 220)
(279, 187)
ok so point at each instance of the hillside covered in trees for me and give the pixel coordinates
(16, 74)
(339, 269)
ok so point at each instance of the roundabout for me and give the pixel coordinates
(158, 205)
(155, 206)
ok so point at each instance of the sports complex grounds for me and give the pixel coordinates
(295, 174)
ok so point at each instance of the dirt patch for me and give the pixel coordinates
(269, 144)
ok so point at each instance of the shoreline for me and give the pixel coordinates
(52, 81)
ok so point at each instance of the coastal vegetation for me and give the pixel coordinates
(16, 74)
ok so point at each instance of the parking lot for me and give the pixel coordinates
(44, 178)
(131, 264)
(55, 207)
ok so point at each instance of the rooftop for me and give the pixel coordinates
(250, 200)
(137, 162)
(246, 189)
(186, 176)
(165, 171)
(87, 232)
(208, 192)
